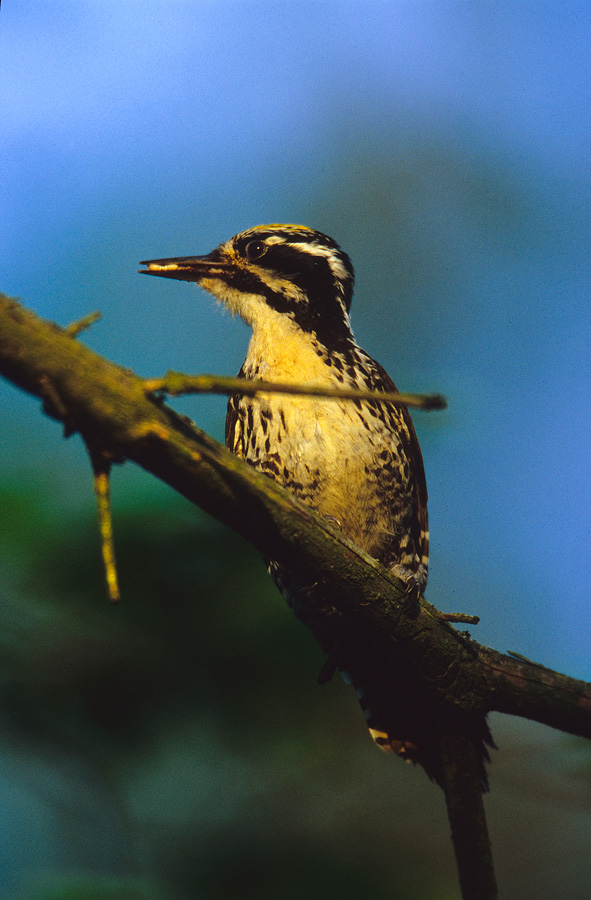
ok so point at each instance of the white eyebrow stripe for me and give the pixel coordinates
(341, 274)
(336, 266)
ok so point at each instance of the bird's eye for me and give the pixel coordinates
(255, 249)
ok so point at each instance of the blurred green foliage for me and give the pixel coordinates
(189, 714)
(95, 889)
(177, 746)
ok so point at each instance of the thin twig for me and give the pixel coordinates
(76, 328)
(463, 618)
(101, 467)
(176, 383)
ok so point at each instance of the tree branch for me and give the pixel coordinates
(109, 406)
(177, 383)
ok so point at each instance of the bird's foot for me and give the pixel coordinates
(410, 605)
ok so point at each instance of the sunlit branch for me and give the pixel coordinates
(176, 383)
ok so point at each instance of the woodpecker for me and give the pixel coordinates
(358, 463)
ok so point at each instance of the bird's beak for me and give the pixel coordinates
(186, 268)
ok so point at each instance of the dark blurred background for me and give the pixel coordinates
(178, 747)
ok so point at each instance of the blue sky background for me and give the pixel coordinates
(445, 145)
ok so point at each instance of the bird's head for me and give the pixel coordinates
(287, 270)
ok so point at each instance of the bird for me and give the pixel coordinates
(356, 462)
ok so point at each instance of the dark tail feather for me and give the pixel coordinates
(402, 720)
